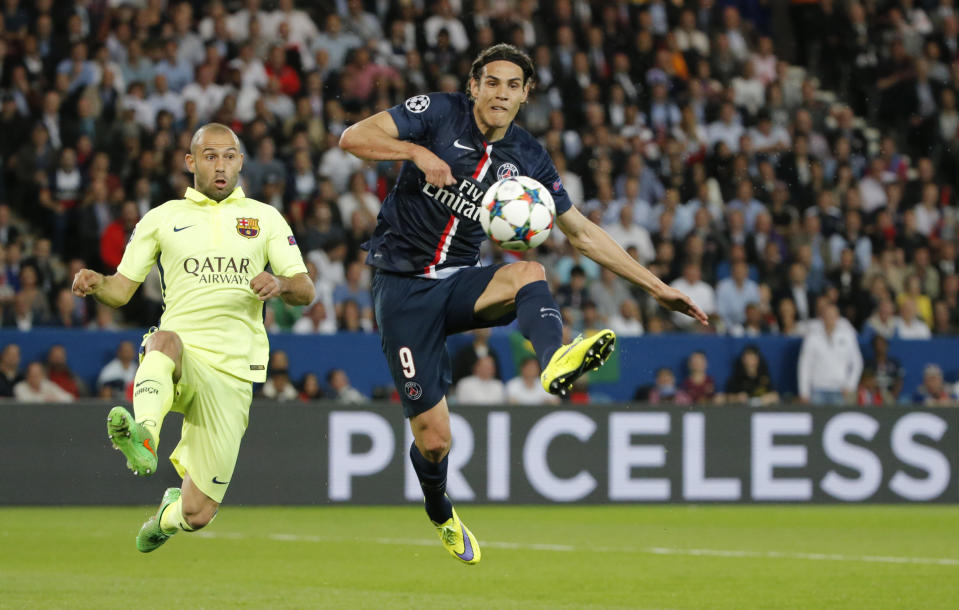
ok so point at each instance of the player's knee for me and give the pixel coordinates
(527, 272)
(435, 447)
(435, 453)
(167, 342)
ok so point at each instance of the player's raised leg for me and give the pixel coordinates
(186, 509)
(523, 286)
(138, 436)
(430, 456)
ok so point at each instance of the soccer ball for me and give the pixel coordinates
(517, 213)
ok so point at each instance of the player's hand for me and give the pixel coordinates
(266, 286)
(676, 300)
(86, 282)
(438, 173)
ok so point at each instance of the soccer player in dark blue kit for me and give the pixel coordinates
(425, 251)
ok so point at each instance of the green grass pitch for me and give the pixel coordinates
(533, 557)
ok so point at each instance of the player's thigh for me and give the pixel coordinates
(480, 297)
(410, 316)
(215, 418)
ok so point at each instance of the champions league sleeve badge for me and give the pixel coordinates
(418, 103)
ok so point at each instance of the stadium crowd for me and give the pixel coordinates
(768, 191)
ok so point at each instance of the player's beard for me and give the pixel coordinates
(211, 190)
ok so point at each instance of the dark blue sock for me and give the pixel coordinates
(539, 319)
(432, 476)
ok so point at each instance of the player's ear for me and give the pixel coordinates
(474, 88)
(190, 164)
(241, 163)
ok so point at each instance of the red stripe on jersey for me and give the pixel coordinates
(482, 163)
(440, 247)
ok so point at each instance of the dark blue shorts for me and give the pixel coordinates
(415, 315)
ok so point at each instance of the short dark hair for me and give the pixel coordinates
(504, 52)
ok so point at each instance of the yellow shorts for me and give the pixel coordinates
(216, 410)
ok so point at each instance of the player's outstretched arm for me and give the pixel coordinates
(377, 138)
(113, 290)
(296, 290)
(596, 243)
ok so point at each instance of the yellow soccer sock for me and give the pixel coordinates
(153, 392)
(172, 518)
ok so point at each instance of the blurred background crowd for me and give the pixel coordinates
(790, 165)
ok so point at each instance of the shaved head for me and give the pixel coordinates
(212, 128)
(215, 160)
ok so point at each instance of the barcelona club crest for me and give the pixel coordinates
(248, 227)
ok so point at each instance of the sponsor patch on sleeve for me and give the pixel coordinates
(291, 239)
(557, 185)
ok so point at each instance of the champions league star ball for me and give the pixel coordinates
(517, 213)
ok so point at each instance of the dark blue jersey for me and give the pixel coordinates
(424, 230)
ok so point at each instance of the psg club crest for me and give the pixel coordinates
(248, 227)
(506, 170)
(413, 390)
(418, 103)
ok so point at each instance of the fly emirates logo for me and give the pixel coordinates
(219, 269)
(464, 200)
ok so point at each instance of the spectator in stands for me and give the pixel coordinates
(311, 389)
(868, 394)
(114, 378)
(340, 388)
(883, 321)
(10, 373)
(733, 294)
(65, 313)
(943, 324)
(481, 387)
(933, 391)
(698, 385)
(35, 298)
(609, 293)
(59, 372)
(317, 319)
(21, 315)
(921, 304)
(751, 382)
(889, 372)
(278, 385)
(908, 323)
(700, 292)
(117, 234)
(627, 322)
(353, 289)
(664, 390)
(830, 362)
(573, 294)
(36, 387)
(525, 388)
(358, 198)
(466, 357)
(787, 322)
(627, 232)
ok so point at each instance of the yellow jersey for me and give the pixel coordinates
(207, 252)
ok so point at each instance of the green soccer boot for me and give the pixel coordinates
(151, 535)
(133, 440)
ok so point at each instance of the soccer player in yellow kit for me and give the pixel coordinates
(211, 248)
